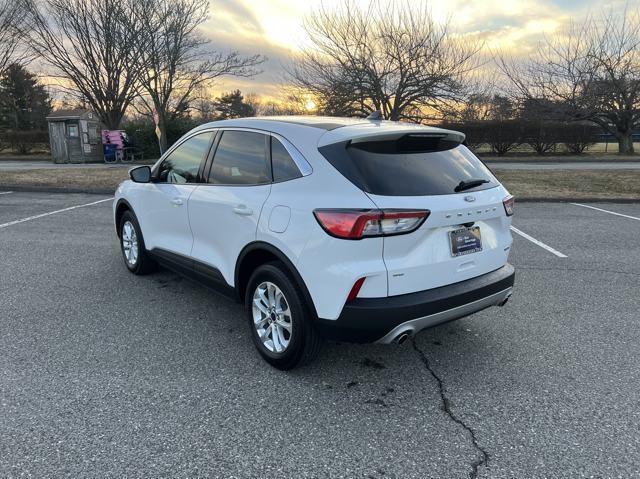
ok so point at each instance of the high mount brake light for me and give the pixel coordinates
(509, 204)
(358, 224)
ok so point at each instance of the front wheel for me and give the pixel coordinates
(279, 319)
(134, 254)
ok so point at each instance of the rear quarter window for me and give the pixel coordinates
(384, 168)
(284, 168)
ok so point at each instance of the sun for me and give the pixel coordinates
(310, 105)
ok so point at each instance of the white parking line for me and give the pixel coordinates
(42, 215)
(539, 243)
(5, 192)
(607, 211)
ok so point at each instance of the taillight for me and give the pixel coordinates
(358, 224)
(509, 205)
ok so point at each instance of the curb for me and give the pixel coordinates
(558, 162)
(576, 200)
(16, 159)
(51, 189)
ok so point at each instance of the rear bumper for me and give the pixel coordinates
(382, 320)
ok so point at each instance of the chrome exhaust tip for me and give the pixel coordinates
(402, 337)
(504, 301)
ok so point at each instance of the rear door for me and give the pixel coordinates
(224, 212)
(433, 255)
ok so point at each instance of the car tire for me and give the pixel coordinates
(136, 258)
(300, 343)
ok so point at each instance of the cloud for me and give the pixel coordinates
(274, 28)
(234, 16)
(269, 81)
(247, 36)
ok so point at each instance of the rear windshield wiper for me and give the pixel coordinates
(465, 185)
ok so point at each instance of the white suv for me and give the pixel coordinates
(351, 230)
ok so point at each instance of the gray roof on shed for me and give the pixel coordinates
(70, 114)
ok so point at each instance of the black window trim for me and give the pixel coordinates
(156, 168)
(206, 168)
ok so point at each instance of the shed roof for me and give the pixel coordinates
(69, 114)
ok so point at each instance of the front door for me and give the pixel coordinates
(58, 137)
(74, 150)
(163, 212)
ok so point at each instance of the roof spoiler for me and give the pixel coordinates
(414, 133)
(408, 134)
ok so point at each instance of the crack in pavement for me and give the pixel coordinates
(446, 407)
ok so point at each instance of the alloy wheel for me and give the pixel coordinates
(272, 317)
(130, 243)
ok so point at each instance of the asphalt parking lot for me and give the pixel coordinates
(104, 374)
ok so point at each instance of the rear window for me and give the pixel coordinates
(389, 168)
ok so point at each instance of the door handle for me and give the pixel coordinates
(242, 210)
(176, 202)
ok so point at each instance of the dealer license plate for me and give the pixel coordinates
(465, 241)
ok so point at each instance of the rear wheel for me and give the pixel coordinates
(134, 254)
(279, 319)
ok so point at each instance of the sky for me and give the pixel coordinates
(274, 28)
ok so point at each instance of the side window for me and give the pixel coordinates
(284, 168)
(240, 159)
(182, 165)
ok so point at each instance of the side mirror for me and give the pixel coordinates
(141, 174)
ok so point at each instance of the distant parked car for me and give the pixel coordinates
(351, 230)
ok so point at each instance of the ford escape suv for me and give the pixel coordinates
(344, 229)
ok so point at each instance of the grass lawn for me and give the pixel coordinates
(551, 184)
(78, 178)
(559, 184)
(586, 158)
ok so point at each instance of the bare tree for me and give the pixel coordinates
(590, 71)
(391, 56)
(11, 48)
(178, 62)
(93, 46)
(290, 105)
(484, 107)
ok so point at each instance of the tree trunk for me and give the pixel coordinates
(625, 142)
(111, 120)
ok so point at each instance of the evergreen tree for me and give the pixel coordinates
(24, 102)
(232, 105)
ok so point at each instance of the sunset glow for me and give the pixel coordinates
(275, 28)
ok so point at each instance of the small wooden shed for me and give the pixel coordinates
(75, 136)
